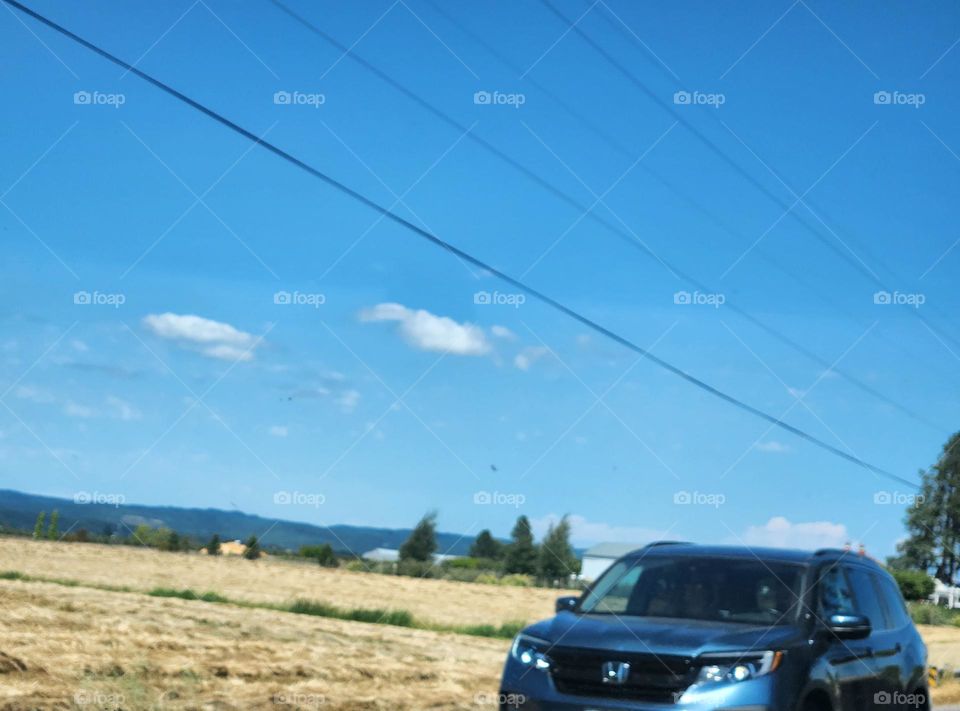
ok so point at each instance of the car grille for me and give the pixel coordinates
(661, 678)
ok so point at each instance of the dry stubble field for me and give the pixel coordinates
(65, 647)
(84, 648)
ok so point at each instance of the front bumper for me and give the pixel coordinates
(526, 689)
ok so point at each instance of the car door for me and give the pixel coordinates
(912, 659)
(887, 688)
(850, 661)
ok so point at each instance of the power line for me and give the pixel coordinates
(618, 147)
(617, 231)
(466, 256)
(740, 170)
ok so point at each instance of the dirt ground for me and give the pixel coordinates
(276, 581)
(80, 648)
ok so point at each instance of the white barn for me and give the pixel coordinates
(601, 556)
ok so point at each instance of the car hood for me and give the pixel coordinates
(660, 635)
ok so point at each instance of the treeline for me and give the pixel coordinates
(520, 561)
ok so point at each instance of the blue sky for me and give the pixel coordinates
(381, 388)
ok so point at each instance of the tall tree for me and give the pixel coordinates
(213, 547)
(486, 546)
(557, 559)
(38, 526)
(933, 520)
(53, 530)
(521, 556)
(422, 543)
(252, 551)
(322, 553)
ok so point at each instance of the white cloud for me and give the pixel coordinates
(348, 400)
(211, 338)
(28, 392)
(585, 533)
(278, 431)
(773, 446)
(122, 410)
(529, 355)
(79, 346)
(73, 409)
(503, 332)
(224, 351)
(429, 332)
(778, 532)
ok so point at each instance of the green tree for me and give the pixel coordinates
(167, 540)
(422, 543)
(252, 551)
(914, 584)
(38, 526)
(557, 559)
(53, 530)
(521, 554)
(143, 535)
(323, 554)
(933, 519)
(486, 546)
(213, 547)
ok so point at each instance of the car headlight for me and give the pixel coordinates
(530, 652)
(732, 668)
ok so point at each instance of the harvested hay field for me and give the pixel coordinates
(276, 581)
(81, 648)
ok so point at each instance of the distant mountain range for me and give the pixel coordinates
(19, 510)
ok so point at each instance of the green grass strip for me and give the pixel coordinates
(394, 618)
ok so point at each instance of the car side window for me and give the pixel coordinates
(867, 599)
(897, 608)
(835, 597)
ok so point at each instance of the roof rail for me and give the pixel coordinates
(656, 544)
(860, 554)
(828, 551)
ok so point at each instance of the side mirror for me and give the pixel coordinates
(566, 603)
(848, 626)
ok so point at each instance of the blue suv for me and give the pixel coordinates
(683, 626)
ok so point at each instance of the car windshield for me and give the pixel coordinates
(715, 589)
